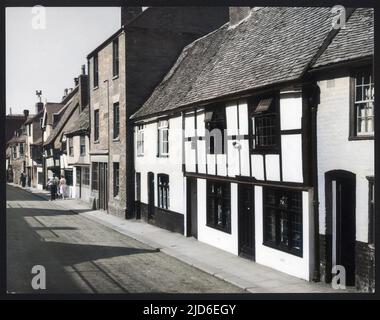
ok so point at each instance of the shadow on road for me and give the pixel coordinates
(26, 247)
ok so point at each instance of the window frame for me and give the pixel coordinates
(95, 71)
(116, 121)
(273, 111)
(21, 149)
(140, 141)
(115, 57)
(290, 213)
(82, 145)
(163, 191)
(86, 176)
(95, 176)
(212, 203)
(96, 125)
(161, 128)
(71, 146)
(116, 179)
(210, 147)
(353, 122)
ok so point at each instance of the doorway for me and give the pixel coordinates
(103, 186)
(340, 189)
(78, 183)
(138, 195)
(246, 221)
(150, 195)
(192, 210)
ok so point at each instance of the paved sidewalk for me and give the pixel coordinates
(243, 273)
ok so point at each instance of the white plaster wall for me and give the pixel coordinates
(290, 112)
(171, 165)
(300, 267)
(291, 149)
(211, 236)
(336, 152)
(77, 158)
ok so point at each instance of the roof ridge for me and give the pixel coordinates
(327, 41)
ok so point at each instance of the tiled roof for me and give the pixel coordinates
(272, 45)
(34, 117)
(354, 40)
(67, 112)
(80, 124)
(52, 107)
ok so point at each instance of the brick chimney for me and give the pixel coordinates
(129, 13)
(26, 113)
(238, 13)
(39, 107)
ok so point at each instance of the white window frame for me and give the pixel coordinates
(163, 125)
(140, 141)
(368, 116)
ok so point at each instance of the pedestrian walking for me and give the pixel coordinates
(23, 179)
(52, 186)
(62, 187)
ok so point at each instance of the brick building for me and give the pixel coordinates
(123, 71)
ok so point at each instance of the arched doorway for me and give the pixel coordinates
(340, 193)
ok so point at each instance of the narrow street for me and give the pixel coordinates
(82, 256)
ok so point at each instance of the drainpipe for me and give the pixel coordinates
(314, 101)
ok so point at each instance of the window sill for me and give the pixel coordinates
(96, 142)
(283, 249)
(354, 138)
(218, 228)
(116, 139)
(140, 155)
(162, 156)
(115, 77)
(95, 88)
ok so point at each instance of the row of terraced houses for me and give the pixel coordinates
(248, 128)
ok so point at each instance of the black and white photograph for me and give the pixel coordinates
(189, 150)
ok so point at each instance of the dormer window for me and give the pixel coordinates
(215, 123)
(265, 131)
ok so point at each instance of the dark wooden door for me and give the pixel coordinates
(246, 222)
(103, 186)
(192, 204)
(78, 182)
(138, 195)
(150, 195)
(340, 223)
(345, 233)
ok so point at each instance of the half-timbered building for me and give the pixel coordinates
(243, 100)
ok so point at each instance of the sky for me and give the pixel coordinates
(49, 59)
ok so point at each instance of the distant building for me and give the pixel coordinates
(33, 154)
(58, 148)
(16, 152)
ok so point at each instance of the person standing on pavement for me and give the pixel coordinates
(62, 187)
(56, 182)
(52, 186)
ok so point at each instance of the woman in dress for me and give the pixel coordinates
(62, 187)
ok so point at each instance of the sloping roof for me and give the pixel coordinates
(52, 107)
(35, 117)
(67, 112)
(354, 40)
(272, 45)
(15, 139)
(80, 124)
